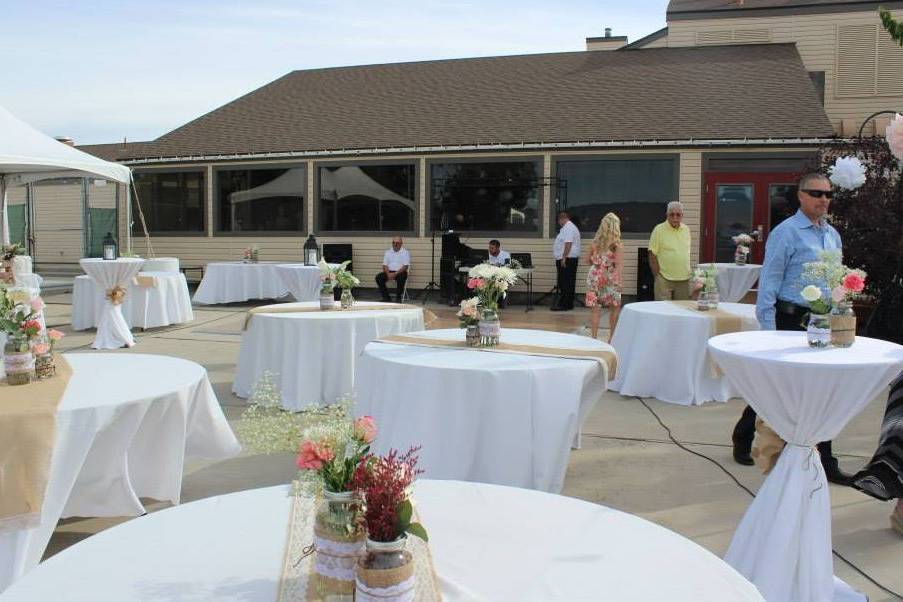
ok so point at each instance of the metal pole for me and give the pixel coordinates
(872, 116)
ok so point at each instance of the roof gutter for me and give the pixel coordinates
(524, 146)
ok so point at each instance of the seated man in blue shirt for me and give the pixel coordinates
(795, 241)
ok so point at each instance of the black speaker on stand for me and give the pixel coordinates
(645, 281)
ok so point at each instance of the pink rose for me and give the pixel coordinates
(36, 305)
(55, 335)
(854, 282)
(40, 348)
(475, 283)
(313, 455)
(470, 311)
(364, 429)
(838, 294)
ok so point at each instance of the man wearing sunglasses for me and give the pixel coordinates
(795, 241)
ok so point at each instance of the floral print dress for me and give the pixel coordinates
(601, 288)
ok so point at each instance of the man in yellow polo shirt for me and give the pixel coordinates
(669, 256)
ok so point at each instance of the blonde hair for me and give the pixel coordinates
(609, 232)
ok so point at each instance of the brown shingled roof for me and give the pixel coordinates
(680, 6)
(725, 92)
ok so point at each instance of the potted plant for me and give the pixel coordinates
(386, 572)
(329, 455)
(842, 284)
(469, 319)
(490, 284)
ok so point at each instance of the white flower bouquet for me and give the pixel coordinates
(704, 279)
(337, 275)
(490, 283)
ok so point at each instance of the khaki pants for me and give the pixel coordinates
(667, 290)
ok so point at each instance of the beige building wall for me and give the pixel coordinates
(368, 250)
(58, 231)
(849, 47)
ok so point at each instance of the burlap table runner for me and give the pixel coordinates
(428, 316)
(768, 446)
(607, 359)
(720, 322)
(27, 436)
(297, 582)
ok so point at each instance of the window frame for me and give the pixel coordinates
(136, 228)
(415, 225)
(675, 184)
(510, 234)
(217, 232)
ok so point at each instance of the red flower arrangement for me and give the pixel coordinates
(383, 483)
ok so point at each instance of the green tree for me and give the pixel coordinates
(893, 27)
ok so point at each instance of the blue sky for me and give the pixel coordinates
(101, 70)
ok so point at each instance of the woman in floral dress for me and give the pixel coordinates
(603, 281)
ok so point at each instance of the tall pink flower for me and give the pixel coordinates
(475, 283)
(839, 294)
(364, 429)
(854, 282)
(55, 335)
(37, 304)
(313, 455)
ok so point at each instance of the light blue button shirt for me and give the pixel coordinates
(794, 242)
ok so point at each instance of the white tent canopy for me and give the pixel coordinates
(27, 155)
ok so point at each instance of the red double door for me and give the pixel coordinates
(735, 203)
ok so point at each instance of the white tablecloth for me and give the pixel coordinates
(783, 543)
(734, 281)
(302, 281)
(124, 428)
(144, 307)
(312, 355)
(112, 330)
(161, 264)
(31, 280)
(488, 543)
(482, 416)
(234, 281)
(662, 352)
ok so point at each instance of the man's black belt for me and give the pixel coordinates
(790, 309)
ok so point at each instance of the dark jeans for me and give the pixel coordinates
(567, 282)
(400, 279)
(745, 430)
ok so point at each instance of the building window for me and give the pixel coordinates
(172, 201)
(636, 190)
(367, 198)
(261, 200)
(486, 196)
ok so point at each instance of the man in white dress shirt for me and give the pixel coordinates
(566, 251)
(395, 267)
(496, 255)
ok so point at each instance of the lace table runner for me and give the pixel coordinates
(296, 585)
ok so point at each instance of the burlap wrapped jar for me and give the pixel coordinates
(339, 545)
(395, 583)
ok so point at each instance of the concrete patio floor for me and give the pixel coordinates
(627, 460)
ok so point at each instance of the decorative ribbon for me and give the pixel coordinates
(608, 359)
(428, 316)
(768, 448)
(116, 295)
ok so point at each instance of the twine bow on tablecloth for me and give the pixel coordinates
(116, 295)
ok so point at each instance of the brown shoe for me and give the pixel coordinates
(896, 523)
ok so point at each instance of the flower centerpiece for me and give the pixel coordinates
(250, 254)
(19, 312)
(744, 243)
(831, 297)
(332, 276)
(469, 319)
(490, 284)
(42, 349)
(706, 284)
(386, 572)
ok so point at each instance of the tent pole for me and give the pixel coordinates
(4, 215)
